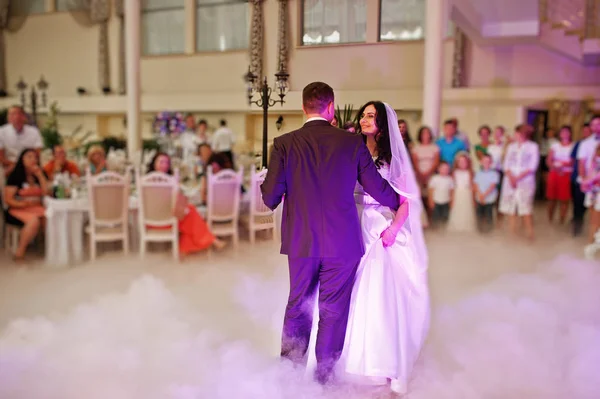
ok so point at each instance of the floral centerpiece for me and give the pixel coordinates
(169, 123)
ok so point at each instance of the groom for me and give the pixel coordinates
(316, 168)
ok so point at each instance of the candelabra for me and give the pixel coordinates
(265, 101)
(42, 87)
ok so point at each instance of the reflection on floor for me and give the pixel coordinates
(511, 319)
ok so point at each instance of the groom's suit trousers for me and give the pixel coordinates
(335, 279)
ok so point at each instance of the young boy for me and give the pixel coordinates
(485, 185)
(441, 190)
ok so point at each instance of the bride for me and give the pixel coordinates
(389, 309)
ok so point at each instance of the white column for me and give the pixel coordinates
(434, 63)
(133, 15)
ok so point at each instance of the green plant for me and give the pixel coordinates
(345, 115)
(149, 145)
(50, 133)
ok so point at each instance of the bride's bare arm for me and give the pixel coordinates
(401, 216)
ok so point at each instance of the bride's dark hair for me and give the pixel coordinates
(384, 150)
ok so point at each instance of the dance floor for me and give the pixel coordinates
(510, 320)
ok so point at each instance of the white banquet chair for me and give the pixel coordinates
(224, 190)
(157, 197)
(109, 209)
(259, 216)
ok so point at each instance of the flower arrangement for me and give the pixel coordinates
(169, 123)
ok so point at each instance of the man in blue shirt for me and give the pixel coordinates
(576, 193)
(450, 145)
(486, 193)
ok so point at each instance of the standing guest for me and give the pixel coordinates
(426, 158)
(403, 126)
(25, 189)
(462, 215)
(188, 139)
(518, 186)
(485, 186)
(560, 165)
(577, 195)
(462, 136)
(450, 145)
(223, 140)
(585, 155)
(481, 149)
(496, 150)
(16, 136)
(60, 164)
(202, 131)
(441, 194)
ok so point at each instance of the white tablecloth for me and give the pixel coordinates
(64, 229)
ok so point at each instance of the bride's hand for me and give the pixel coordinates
(388, 236)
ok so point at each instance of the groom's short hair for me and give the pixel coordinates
(316, 97)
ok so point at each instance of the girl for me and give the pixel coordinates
(426, 158)
(481, 149)
(462, 214)
(560, 164)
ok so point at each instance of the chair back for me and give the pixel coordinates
(224, 191)
(109, 198)
(157, 196)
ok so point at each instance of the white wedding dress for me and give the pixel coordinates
(389, 309)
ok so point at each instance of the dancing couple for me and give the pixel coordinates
(356, 252)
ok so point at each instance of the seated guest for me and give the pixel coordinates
(217, 162)
(25, 188)
(16, 136)
(97, 159)
(194, 234)
(60, 164)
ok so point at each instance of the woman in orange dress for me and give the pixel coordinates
(194, 234)
(25, 189)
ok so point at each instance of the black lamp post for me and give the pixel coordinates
(42, 86)
(265, 101)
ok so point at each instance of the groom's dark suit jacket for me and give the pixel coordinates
(316, 167)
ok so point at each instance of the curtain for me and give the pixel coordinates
(402, 20)
(4, 17)
(334, 21)
(120, 11)
(96, 12)
(257, 41)
(163, 23)
(458, 62)
(283, 36)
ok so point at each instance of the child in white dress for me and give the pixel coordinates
(462, 214)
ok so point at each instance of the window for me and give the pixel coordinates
(163, 27)
(27, 7)
(334, 21)
(404, 20)
(222, 25)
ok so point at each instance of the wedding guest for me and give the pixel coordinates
(403, 126)
(450, 145)
(97, 159)
(441, 193)
(585, 155)
(16, 136)
(578, 196)
(350, 127)
(194, 234)
(591, 184)
(560, 165)
(461, 135)
(425, 157)
(202, 131)
(496, 150)
(462, 215)
(518, 186)
(485, 186)
(481, 149)
(60, 164)
(188, 139)
(217, 162)
(25, 189)
(223, 140)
